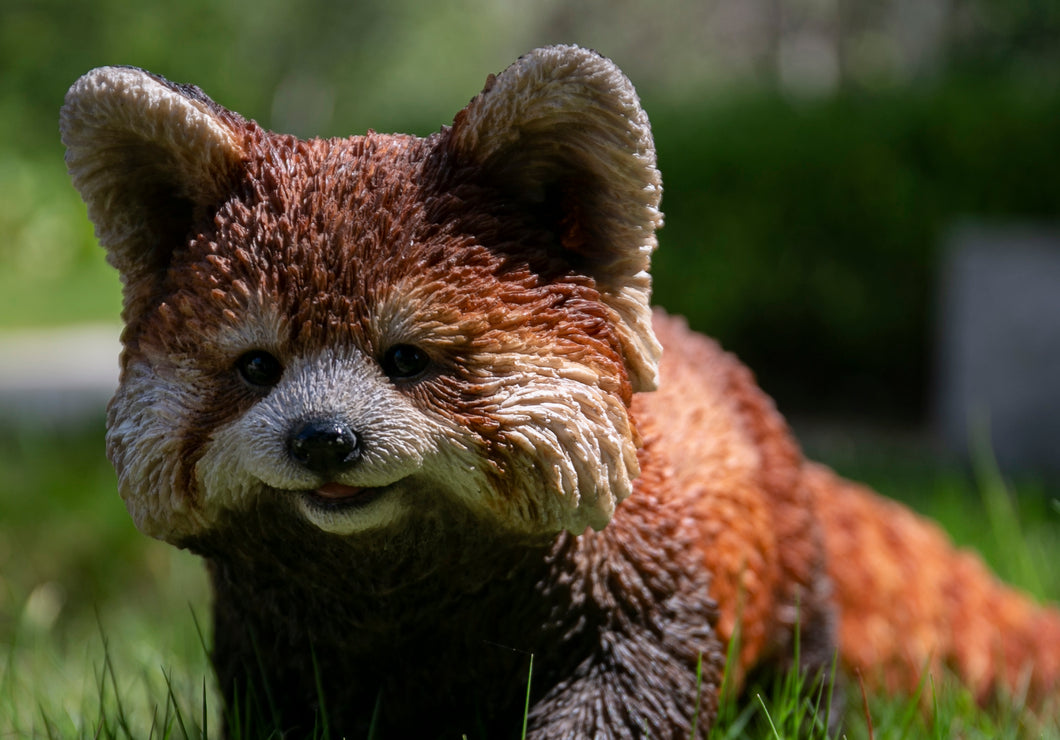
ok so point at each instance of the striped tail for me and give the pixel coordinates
(910, 601)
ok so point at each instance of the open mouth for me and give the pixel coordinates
(339, 496)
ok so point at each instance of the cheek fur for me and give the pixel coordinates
(145, 445)
(567, 452)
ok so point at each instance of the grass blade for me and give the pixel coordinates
(526, 708)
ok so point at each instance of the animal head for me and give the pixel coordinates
(380, 325)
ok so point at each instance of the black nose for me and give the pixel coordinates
(323, 446)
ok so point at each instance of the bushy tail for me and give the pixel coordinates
(910, 601)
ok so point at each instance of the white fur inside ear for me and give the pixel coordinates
(566, 113)
(111, 109)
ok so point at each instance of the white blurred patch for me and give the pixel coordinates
(43, 606)
(808, 63)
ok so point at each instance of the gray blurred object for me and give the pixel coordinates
(999, 344)
(59, 375)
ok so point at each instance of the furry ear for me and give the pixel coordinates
(148, 157)
(563, 128)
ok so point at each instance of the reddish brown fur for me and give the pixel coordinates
(398, 224)
(510, 267)
(908, 601)
(913, 603)
(737, 472)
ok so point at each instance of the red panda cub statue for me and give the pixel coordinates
(408, 399)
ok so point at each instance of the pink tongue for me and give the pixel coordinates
(337, 490)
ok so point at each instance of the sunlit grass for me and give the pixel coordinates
(130, 675)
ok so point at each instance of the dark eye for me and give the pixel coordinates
(259, 368)
(404, 361)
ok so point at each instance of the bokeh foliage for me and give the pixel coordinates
(808, 236)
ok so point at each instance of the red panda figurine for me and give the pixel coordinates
(407, 398)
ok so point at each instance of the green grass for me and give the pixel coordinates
(100, 626)
(96, 626)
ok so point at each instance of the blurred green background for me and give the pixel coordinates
(814, 153)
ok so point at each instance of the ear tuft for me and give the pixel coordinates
(147, 157)
(564, 125)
